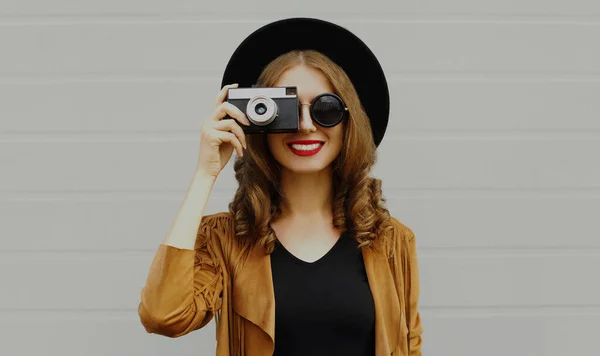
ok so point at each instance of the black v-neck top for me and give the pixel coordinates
(323, 307)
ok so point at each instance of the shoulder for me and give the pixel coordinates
(400, 238)
(401, 231)
(217, 219)
(217, 225)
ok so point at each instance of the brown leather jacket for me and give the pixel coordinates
(186, 288)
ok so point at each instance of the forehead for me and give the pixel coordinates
(310, 82)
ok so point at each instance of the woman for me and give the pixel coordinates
(307, 227)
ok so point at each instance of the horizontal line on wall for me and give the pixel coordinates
(487, 76)
(209, 76)
(262, 17)
(509, 311)
(110, 136)
(391, 193)
(73, 310)
(515, 307)
(511, 249)
(502, 254)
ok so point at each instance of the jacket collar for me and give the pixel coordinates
(254, 298)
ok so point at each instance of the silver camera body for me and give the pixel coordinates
(269, 110)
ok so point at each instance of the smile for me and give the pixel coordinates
(306, 150)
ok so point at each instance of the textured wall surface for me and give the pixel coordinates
(495, 121)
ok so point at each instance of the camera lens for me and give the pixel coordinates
(260, 109)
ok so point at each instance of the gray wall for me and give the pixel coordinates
(491, 158)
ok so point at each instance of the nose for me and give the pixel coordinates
(306, 122)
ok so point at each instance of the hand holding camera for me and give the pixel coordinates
(220, 135)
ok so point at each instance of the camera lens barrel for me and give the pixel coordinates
(261, 110)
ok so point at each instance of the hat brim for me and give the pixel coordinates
(337, 43)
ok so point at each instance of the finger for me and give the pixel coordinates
(223, 93)
(229, 109)
(226, 136)
(232, 125)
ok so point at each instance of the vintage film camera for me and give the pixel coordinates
(269, 110)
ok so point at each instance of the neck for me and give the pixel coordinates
(306, 195)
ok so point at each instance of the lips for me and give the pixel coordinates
(305, 142)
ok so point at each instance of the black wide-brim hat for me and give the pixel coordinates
(339, 44)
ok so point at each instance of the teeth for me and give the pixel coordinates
(306, 147)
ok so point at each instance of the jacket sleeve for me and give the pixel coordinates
(183, 287)
(406, 264)
(412, 287)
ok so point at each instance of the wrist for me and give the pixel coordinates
(203, 177)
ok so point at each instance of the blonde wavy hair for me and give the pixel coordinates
(358, 204)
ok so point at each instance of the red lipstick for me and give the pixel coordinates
(305, 142)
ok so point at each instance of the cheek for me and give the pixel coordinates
(275, 142)
(337, 135)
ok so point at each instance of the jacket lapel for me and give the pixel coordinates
(253, 291)
(387, 305)
(254, 299)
